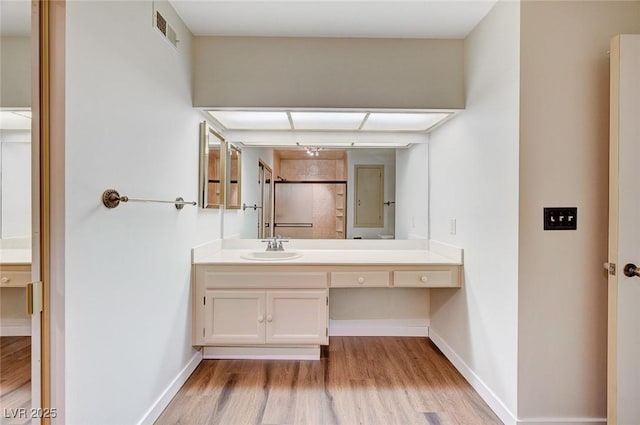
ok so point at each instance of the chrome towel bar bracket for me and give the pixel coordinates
(251, 207)
(111, 199)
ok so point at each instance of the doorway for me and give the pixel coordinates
(265, 198)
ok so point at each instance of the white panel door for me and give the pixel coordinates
(234, 317)
(623, 407)
(297, 317)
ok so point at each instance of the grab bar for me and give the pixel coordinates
(111, 199)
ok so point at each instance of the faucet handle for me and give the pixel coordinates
(270, 244)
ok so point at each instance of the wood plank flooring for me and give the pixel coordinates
(358, 380)
(15, 377)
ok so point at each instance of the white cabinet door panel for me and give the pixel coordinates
(297, 317)
(234, 317)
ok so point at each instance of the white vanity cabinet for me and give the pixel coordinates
(14, 319)
(433, 277)
(255, 307)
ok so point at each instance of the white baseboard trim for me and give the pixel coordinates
(562, 421)
(386, 327)
(493, 401)
(15, 327)
(167, 395)
(483, 390)
(262, 353)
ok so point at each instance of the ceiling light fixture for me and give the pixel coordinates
(313, 151)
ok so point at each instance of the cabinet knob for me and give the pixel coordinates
(423, 278)
(5, 279)
(361, 279)
(260, 318)
(269, 318)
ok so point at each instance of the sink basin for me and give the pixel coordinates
(271, 255)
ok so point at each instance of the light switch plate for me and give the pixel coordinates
(561, 218)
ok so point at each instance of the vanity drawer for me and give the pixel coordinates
(260, 279)
(433, 278)
(12, 279)
(359, 279)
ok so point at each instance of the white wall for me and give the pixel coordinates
(386, 157)
(130, 126)
(15, 72)
(412, 192)
(473, 166)
(564, 137)
(15, 184)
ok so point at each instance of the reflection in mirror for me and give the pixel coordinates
(233, 174)
(15, 176)
(212, 148)
(265, 178)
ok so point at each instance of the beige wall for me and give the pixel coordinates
(327, 73)
(564, 162)
(15, 72)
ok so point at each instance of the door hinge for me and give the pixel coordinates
(34, 297)
(204, 300)
(203, 332)
(611, 267)
(327, 300)
(326, 331)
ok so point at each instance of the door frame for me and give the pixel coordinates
(47, 104)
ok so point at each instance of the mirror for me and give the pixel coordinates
(212, 148)
(15, 176)
(233, 177)
(265, 184)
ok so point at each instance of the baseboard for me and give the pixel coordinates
(262, 353)
(15, 327)
(386, 327)
(167, 395)
(562, 421)
(481, 388)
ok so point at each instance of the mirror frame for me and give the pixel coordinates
(229, 148)
(206, 131)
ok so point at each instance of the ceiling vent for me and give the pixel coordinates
(165, 28)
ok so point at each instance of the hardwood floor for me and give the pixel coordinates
(358, 380)
(15, 378)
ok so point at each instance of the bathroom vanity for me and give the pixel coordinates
(252, 303)
(15, 274)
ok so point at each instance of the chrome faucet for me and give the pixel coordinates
(275, 243)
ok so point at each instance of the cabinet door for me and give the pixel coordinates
(234, 317)
(297, 317)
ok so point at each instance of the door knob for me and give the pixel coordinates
(631, 270)
(260, 318)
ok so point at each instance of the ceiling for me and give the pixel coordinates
(305, 18)
(333, 18)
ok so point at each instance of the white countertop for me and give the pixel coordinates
(15, 257)
(400, 253)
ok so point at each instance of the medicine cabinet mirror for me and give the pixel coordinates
(233, 174)
(212, 167)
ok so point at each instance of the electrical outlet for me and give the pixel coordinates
(452, 226)
(563, 218)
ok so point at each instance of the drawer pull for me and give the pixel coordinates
(260, 318)
(361, 279)
(5, 279)
(269, 318)
(423, 278)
